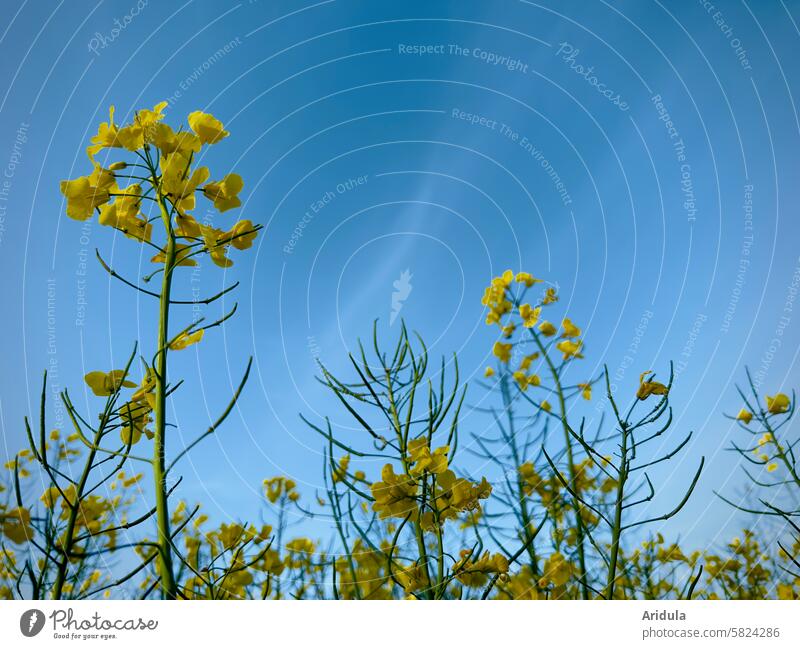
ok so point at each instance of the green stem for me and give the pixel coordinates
(418, 533)
(69, 533)
(570, 460)
(165, 568)
(522, 499)
(616, 529)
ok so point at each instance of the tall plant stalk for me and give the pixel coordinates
(165, 568)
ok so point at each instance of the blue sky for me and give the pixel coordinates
(364, 111)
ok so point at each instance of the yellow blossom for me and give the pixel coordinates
(547, 328)
(570, 348)
(177, 184)
(476, 573)
(570, 330)
(16, 524)
(502, 351)
(87, 193)
(242, 234)
(185, 339)
(557, 571)
(529, 315)
(216, 250)
(225, 193)
(340, 472)
(527, 279)
(778, 404)
(550, 296)
(104, 384)
(423, 459)
(207, 127)
(395, 495)
(107, 136)
(646, 388)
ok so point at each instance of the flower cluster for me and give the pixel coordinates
(159, 172)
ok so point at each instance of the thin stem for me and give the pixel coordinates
(616, 528)
(570, 461)
(165, 568)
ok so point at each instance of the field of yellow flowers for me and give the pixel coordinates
(565, 521)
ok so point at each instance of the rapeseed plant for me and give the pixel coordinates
(558, 521)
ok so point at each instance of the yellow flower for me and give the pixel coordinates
(86, 193)
(459, 495)
(168, 141)
(545, 405)
(586, 390)
(135, 416)
(547, 328)
(772, 466)
(778, 404)
(527, 279)
(424, 460)
(488, 372)
(225, 192)
(176, 182)
(340, 472)
(134, 135)
(412, 578)
(557, 570)
(502, 351)
(570, 348)
(529, 315)
(126, 206)
(186, 339)
(208, 128)
(279, 485)
(395, 495)
(50, 497)
(570, 330)
(187, 226)
(146, 386)
(212, 238)
(507, 277)
(744, 416)
(17, 524)
(147, 118)
(523, 380)
(242, 234)
(646, 388)
(107, 136)
(550, 296)
(122, 214)
(476, 573)
(105, 384)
